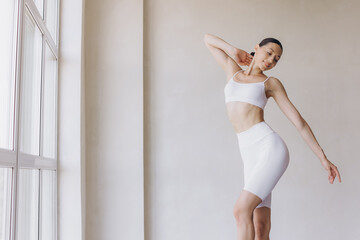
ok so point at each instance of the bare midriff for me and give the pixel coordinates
(243, 115)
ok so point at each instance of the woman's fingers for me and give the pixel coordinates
(330, 177)
(247, 60)
(337, 173)
(333, 172)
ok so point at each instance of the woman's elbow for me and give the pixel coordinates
(206, 38)
(300, 123)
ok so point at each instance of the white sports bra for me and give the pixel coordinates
(253, 93)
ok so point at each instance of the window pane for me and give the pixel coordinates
(48, 205)
(5, 198)
(30, 87)
(49, 107)
(28, 205)
(40, 6)
(51, 17)
(7, 63)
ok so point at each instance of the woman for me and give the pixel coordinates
(264, 153)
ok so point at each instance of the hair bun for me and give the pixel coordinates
(252, 53)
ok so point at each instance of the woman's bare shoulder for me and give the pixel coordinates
(274, 85)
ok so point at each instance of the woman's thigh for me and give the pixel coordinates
(246, 203)
(264, 164)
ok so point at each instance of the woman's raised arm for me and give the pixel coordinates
(227, 56)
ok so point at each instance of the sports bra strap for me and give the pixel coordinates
(243, 70)
(266, 79)
(237, 72)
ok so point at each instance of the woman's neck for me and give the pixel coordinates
(253, 70)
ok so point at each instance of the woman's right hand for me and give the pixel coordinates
(242, 58)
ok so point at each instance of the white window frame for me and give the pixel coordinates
(13, 158)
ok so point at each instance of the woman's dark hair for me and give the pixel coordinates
(266, 41)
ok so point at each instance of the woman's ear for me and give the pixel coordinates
(257, 46)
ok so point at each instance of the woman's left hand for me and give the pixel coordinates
(332, 169)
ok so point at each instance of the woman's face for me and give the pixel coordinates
(267, 56)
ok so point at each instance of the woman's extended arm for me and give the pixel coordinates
(279, 94)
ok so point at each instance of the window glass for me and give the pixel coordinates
(49, 108)
(52, 17)
(48, 204)
(28, 205)
(40, 6)
(7, 80)
(5, 198)
(30, 87)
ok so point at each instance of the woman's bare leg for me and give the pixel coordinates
(262, 223)
(243, 212)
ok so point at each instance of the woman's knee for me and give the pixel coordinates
(242, 213)
(245, 205)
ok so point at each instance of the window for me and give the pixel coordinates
(28, 119)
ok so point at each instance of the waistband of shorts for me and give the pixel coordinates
(254, 134)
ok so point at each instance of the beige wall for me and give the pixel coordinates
(114, 119)
(193, 172)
